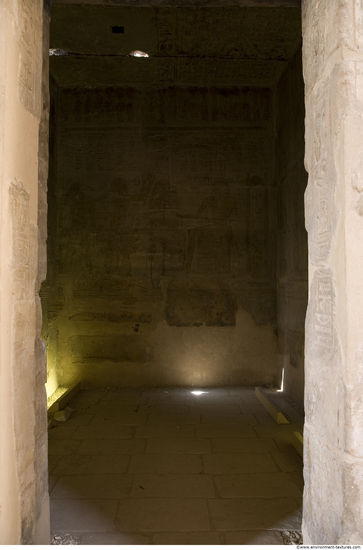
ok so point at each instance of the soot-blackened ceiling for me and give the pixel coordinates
(191, 46)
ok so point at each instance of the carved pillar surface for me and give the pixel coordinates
(333, 436)
(24, 503)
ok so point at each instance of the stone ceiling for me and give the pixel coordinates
(192, 46)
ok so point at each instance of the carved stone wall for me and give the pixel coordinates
(165, 208)
(333, 442)
(292, 263)
(24, 500)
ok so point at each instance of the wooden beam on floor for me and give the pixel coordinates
(62, 401)
(298, 442)
(270, 407)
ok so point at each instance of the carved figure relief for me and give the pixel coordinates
(168, 220)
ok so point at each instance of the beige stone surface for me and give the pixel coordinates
(24, 106)
(332, 70)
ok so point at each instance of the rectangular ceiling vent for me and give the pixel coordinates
(117, 29)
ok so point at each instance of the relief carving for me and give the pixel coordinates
(23, 241)
(30, 62)
(322, 309)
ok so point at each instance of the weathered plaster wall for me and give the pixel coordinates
(24, 503)
(166, 241)
(292, 263)
(333, 438)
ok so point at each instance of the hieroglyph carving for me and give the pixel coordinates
(323, 300)
(320, 193)
(22, 245)
(30, 63)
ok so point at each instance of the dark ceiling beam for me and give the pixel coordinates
(183, 3)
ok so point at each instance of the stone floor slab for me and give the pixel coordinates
(60, 447)
(93, 486)
(114, 538)
(217, 419)
(172, 400)
(242, 392)
(82, 515)
(87, 397)
(164, 409)
(78, 418)
(53, 461)
(177, 419)
(162, 514)
(215, 408)
(276, 430)
(224, 430)
(92, 464)
(182, 445)
(255, 513)
(173, 486)
(263, 417)
(52, 482)
(271, 485)
(124, 399)
(288, 462)
(118, 418)
(111, 446)
(103, 432)
(243, 445)
(164, 430)
(262, 538)
(238, 463)
(61, 432)
(206, 538)
(164, 464)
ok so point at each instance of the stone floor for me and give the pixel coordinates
(165, 466)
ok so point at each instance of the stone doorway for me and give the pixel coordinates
(332, 58)
(175, 199)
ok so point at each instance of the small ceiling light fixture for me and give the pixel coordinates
(57, 51)
(138, 53)
(198, 392)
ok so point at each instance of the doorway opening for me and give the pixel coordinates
(177, 252)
